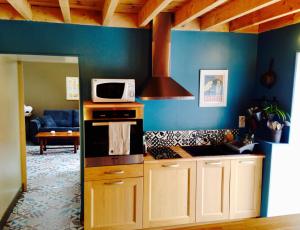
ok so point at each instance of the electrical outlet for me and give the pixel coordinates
(242, 120)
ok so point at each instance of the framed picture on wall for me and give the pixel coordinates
(72, 88)
(213, 88)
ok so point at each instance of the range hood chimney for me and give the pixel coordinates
(161, 86)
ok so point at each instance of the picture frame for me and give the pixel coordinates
(72, 88)
(213, 88)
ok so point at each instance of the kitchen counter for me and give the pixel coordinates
(148, 159)
(187, 157)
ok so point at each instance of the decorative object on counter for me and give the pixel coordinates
(228, 136)
(213, 88)
(186, 137)
(245, 145)
(277, 118)
(238, 146)
(268, 79)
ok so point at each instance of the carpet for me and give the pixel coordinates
(53, 197)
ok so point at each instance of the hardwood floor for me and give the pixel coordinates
(291, 222)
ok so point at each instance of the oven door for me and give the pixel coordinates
(97, 137)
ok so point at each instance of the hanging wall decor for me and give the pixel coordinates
(213, 88)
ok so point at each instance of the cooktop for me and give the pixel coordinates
(163, 153)
(209, 150)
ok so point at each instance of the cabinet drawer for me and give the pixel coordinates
(113, 172)
(113, 204)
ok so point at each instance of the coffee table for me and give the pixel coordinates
(44, 137)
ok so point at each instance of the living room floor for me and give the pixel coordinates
(53, 197)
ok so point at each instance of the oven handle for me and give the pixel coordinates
(107, 123)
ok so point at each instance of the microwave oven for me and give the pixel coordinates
(113, 90)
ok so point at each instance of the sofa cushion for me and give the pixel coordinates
(48, 121)
(58, 129)
(76, 118)
(62, 118)
(41, 120)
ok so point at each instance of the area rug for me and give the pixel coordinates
(53, 197)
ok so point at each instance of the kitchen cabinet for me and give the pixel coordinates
(169, 193)
(212, 199)
(114, 203)
(245, 188)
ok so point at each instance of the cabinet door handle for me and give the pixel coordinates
(115, 172)
(171, 166)
(218, 163)
(247, 162)
(114, 183)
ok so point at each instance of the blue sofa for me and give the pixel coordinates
(57, 120)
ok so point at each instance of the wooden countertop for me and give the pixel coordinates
(187, 157)
(291, 222)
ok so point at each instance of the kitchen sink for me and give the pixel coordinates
(209, 150)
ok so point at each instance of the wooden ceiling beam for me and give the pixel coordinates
(22, 7)
(150, 10)
(232, 10)
(65, 10)
(277, 10)
(194, 9)
(109, 9)
(279, 23)
(249, 30)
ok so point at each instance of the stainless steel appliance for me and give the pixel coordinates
(161, 86)
(163, 153)
(113, 90)
(97, 118)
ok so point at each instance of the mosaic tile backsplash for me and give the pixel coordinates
(186, 137)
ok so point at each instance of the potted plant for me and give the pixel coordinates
(277, 118)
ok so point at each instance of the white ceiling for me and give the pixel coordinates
(40, 58)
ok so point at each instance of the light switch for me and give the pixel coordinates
(242, 121)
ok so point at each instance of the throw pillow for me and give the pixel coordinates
(48, 121)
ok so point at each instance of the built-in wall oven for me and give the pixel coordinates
(97, 121)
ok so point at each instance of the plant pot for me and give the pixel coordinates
(276, 135)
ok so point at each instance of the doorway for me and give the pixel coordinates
(48, 104)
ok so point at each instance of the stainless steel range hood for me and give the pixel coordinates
(161, 86)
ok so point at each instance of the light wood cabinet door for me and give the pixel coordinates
(245, 188)
(113, 204)
(212, 196)
(169, 193)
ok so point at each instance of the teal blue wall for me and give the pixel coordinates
(117, 53)
(282, 45)
(192, 51)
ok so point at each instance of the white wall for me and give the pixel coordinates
(295, 122)
(284, 190)
(10, 166)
